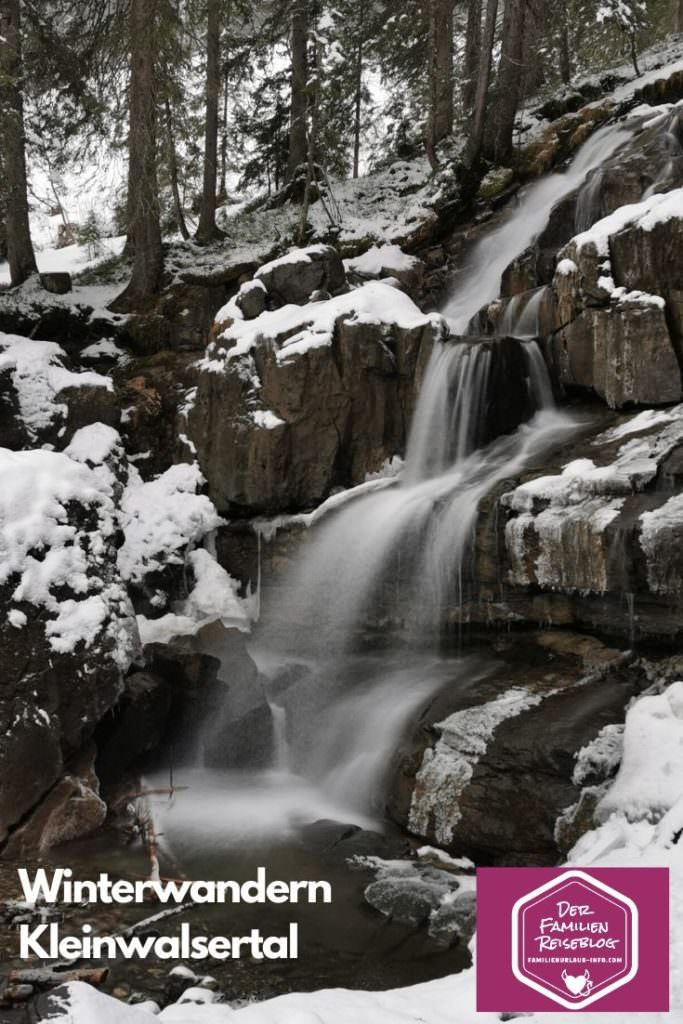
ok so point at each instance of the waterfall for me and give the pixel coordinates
(522, 315)
(479, 283)
(280, 743)
(448, 419)
(398, 557)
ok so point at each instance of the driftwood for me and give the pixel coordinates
(48, 977)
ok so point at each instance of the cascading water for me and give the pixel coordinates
(479, 282)
(397, 556)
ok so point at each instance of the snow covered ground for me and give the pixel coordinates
(72, 259)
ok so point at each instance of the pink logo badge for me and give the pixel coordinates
(564, 939)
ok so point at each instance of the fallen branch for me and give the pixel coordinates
(50, 977)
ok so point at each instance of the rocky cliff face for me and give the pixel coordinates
(295, 401)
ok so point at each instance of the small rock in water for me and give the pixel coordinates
(454, 919)
(407, 901)
(121, 991)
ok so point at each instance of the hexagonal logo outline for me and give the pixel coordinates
(613, 895)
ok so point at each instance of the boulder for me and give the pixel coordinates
(624, 353)
(57, 282)
(294, 277)
(71, 810)
(295, 403)
(251, 299)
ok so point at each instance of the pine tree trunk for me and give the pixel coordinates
(147, 274)
(440, 122)
(634, 52)
(313, 102)
(297, 112)
(223, 189)
(472, 53)
(508, 84)
(476, 139)
(173, 172)
(207, 230)
(22, 261)
(565, 52)
(357, 106)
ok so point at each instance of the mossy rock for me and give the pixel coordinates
(495, 183)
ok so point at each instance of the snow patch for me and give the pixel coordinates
(163, 518)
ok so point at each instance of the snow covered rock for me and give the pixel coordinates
(295, 276)
(68, 633)
(303, 399)
(163, 520)
(574, 531)
(41, 400)
(251, 299)
(619, 290)
(388, 261)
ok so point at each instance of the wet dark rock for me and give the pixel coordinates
(136, 726)
(477, 791)
(217, 697)
(178, 981)
(86, 405)
(339, 842)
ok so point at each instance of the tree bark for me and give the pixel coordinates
(173, 173)
(207, 230)
(476, 139)
(508, 84)
(633, 46)
(679, 17)
(147, 274)
(313, 102)
(472, 53)
(440, 122)
(297, 111)
(565, 51)
(223, 189)
(22, 261)
(358, 105)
